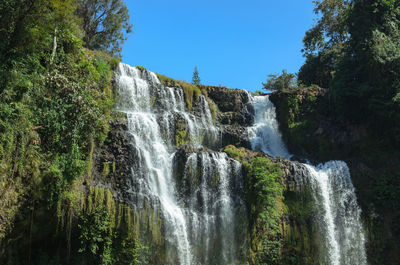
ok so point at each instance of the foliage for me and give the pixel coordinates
(56, 101)
(263, 187)
(283, 82)
(256, 93)
(181, 135)
(196, 78)
(105, 23)
(141, 68)
(95, 235)
(235, 152)
(354, 51)
(324, 44)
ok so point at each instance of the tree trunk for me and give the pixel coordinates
(53, 54)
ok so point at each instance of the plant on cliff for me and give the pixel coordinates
(264, 192)
(354, 51)
(196, 78)
(191, 91)
(283, 82)
(95, 233)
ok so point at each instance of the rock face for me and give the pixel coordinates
(311, 130)
(112, 162)
(235, 113)
(307, 126)
(295, 174)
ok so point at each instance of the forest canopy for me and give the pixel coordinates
(354, 51)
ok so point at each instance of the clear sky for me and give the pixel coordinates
(233, 43)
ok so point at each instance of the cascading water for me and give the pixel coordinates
(154, 161)
(214, 201)
(199, 226)
(338, 217)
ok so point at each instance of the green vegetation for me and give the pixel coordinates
(236, 153)
(256, 93)
(280, 214)
(181, 135)
(191, 91)
(56, 100)
(104, 24)
(264, 195)
(141, 68)
(196, 78)
(354, 52)
(283, 82)
(213, 108)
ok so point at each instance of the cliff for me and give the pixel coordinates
(312, 130)
(283, 231)
(179, 155)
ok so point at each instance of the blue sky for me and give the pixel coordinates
(233, 43)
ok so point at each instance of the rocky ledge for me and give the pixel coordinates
(235, 113)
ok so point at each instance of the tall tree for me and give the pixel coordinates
(370, 71)
(196, 78)
(105, 24)
(324, 42)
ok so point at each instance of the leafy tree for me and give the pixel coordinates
(281, 82)
(196, 78)
(370, 71)
(105, 23)
(324, 43)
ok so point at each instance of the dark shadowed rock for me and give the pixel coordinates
(112, 162)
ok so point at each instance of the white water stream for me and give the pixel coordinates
(201, 212)
(199, 226)
(338, 217)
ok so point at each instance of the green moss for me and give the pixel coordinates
(152, 101)
(235, 152)
(141, 68)
(181, 137)
(213, 109)
(106, 169)
(167, 81)
(256, 93)
(300, 239)
(114, 62)
(191, 92)
(215, 178)
(264, 193)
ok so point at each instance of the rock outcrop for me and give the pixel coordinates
(235, 113)
(112, 162)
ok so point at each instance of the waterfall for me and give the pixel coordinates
(264, 134)
(214, 201)
(343, 239)
(198, 210)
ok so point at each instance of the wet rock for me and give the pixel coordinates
(112, 162)
(235, 135)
